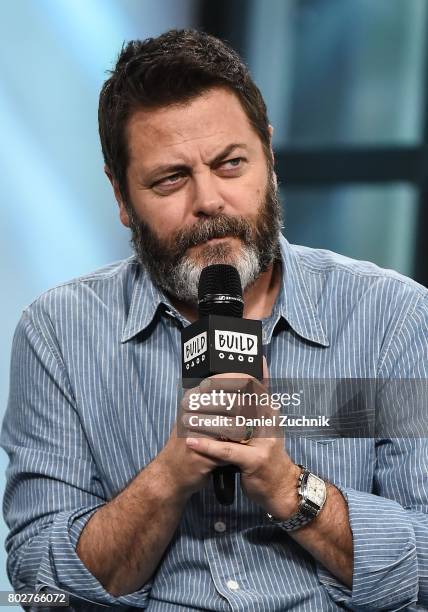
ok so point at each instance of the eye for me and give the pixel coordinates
(170, 180)
(169, 183)
(232, 164)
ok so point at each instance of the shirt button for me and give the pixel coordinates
(232, 585)
(220, 526)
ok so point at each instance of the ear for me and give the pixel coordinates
(123, 213)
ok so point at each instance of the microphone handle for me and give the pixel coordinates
(224, 484)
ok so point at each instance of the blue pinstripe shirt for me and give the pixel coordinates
(94, 373)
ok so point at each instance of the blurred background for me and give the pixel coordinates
(345, 84)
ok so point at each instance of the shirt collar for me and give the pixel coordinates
(294, 303)
(146, 301)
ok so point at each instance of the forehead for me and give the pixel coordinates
(204, 124)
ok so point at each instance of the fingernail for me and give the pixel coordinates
(192, 441)
(205, 385)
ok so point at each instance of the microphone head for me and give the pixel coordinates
(220, 291)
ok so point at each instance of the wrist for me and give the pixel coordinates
(285, 502)
(312, 491)
(166, 482)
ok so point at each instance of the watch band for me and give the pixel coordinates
(308, 508)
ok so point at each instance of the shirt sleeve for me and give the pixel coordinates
(52, 485)
(390, 524)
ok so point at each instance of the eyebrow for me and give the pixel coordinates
(173, 168)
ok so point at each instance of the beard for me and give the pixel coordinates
(177, 272)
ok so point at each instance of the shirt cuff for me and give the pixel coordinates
(61, 567)
(385, 573)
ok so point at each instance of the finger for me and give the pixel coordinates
(222, 395)
(229, 452)
(214, 425)
(228, 381)
(237, 382)
(214, 401)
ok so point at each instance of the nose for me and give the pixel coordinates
(207, 199)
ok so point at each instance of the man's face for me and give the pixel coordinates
(199, 192)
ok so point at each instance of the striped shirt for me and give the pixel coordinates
(93, 397)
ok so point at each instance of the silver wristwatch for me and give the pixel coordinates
(313, 493)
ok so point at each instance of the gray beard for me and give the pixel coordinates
(184, 278)
(177, 273)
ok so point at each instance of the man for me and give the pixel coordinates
(104, 500)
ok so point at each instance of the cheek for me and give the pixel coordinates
(159, 213)
(164, 215)
(246, 196)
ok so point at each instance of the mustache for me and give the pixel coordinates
(220, 226)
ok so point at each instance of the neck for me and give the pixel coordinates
(259, 298)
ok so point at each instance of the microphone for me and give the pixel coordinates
(221, 341)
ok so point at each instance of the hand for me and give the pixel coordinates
(268, 476)
(185, 470)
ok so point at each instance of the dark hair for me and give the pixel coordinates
(172, 68)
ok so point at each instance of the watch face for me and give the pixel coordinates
(315, 490)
